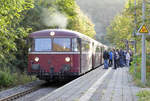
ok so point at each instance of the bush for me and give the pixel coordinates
(137, 75)
(144, 95)
(22, 78)
(137, 60)
(6, 79)
(10, 80)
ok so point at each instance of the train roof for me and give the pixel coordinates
(60, 33)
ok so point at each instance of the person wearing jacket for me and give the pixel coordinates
(128, 59)
(105, 57)
(110, 58)
(116, 59)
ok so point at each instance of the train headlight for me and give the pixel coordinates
(67, 59)
(36, 59)
(52, 33)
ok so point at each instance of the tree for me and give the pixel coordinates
(11, 13)
(58, 14)
(122, 27)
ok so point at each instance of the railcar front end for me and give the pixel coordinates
(54, 57)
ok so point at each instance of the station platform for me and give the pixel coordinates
(97, 85)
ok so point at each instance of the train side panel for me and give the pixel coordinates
(86, 62)
(97, 55)
(86, 56)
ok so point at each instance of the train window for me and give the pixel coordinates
(61, 44)
(97, 49)
(85, 46)
(75, 45)
(43, 44)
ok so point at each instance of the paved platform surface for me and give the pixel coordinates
(98, 85)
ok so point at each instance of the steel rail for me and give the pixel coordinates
(19, 94)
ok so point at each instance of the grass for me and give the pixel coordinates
(23, 78)
(8, 80)
(137, 75)
(137, 78)
(144, 95)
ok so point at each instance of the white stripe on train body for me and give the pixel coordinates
(54, 53)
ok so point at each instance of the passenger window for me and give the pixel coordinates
(98, 49)
(85, 46)
(75, 45)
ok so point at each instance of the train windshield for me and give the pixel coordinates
(43, 44)
(61, 44)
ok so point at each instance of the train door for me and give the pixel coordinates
(80, 50)
(86, 56)
(97, 56)
(101, 56)
(93, 55)
(76, 49)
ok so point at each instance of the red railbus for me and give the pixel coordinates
(61, 54)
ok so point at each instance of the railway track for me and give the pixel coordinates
(20, 94)
(33, 92)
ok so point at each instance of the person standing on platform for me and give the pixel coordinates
(128, 59)
(116, 59)
(125, 52)
(124, 57)
(110, 58)
(105, 57)
(121, 58)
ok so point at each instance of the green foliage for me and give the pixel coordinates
(11, 13)
(76, 19)
(6, 79)
(123, 27)
(144, 95)
(22, 78)
(120, 30)
(42, 16)
(147, 60)
(82, 23)
(12, 36)
(137, 75)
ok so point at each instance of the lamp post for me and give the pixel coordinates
(143, 66)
